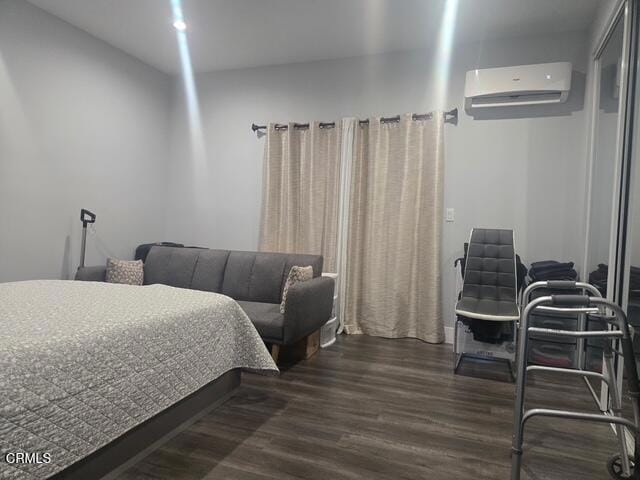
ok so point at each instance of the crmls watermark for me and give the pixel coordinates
(27, 458)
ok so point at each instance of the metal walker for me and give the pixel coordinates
(620, 466)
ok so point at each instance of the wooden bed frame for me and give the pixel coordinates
(138, 442)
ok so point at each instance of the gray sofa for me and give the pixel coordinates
(254, 279)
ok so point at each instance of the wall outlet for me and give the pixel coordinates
(450, 215)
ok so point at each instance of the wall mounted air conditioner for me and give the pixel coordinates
(542, 83)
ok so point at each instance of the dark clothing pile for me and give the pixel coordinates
(552, 270)
(598, 278)
(634, 282)
(488, 331)
(521, 274)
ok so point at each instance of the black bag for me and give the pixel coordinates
(143, 250)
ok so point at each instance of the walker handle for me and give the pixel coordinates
(570, 301)
(561, 284)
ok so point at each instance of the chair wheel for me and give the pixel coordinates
(614, 467)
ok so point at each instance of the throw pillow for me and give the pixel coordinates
(296, 274)
(129, 272)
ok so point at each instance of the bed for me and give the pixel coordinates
(84, 364)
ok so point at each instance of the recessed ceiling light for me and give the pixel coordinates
(180, 25)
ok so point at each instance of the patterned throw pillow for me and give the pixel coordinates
(296, 274)
(129, 272)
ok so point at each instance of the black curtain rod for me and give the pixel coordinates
(449, 117)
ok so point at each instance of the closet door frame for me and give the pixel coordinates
(625, 12)
(629, 165)
(622, 13)
(629, 173)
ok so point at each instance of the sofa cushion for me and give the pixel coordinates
(237, 275)
(208, 273)
(260, 276)
(264, 285)
(96, 273)
(254, 276)
(266, 317)
(170, 266)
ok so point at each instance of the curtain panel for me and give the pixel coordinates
(393, 280)
(347, 147)
(370, 199)
(301, 191)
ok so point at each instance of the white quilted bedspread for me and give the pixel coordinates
(83, 362)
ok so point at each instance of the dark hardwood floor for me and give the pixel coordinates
(371, 408)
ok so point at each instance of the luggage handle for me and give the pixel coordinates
(87, 217)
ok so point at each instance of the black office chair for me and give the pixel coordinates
(489, 291)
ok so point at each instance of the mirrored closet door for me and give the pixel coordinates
(609, 105)
(607, 150)
(628, 281)
(610, 225)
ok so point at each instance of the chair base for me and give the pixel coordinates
(461, 356)
(507, 355)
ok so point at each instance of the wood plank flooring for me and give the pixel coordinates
(372, 408)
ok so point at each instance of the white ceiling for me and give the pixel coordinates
(225, 34)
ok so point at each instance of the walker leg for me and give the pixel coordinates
(636, 458)
(616, 400)
(455, 347)
(515, 346)
(510, 367)
(455, 336)
(518, 426)
(458, 362)
(516, 462)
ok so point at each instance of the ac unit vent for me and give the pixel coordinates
(516, 86)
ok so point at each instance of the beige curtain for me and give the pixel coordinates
(301, 191)
(393, 249)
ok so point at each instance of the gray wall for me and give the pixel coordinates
(81, 125)
(513, 168)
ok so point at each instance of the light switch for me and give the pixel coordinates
(450, 215)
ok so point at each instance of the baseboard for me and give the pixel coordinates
(448, 335)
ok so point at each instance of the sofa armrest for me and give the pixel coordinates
(307, 308)
(92, 274)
